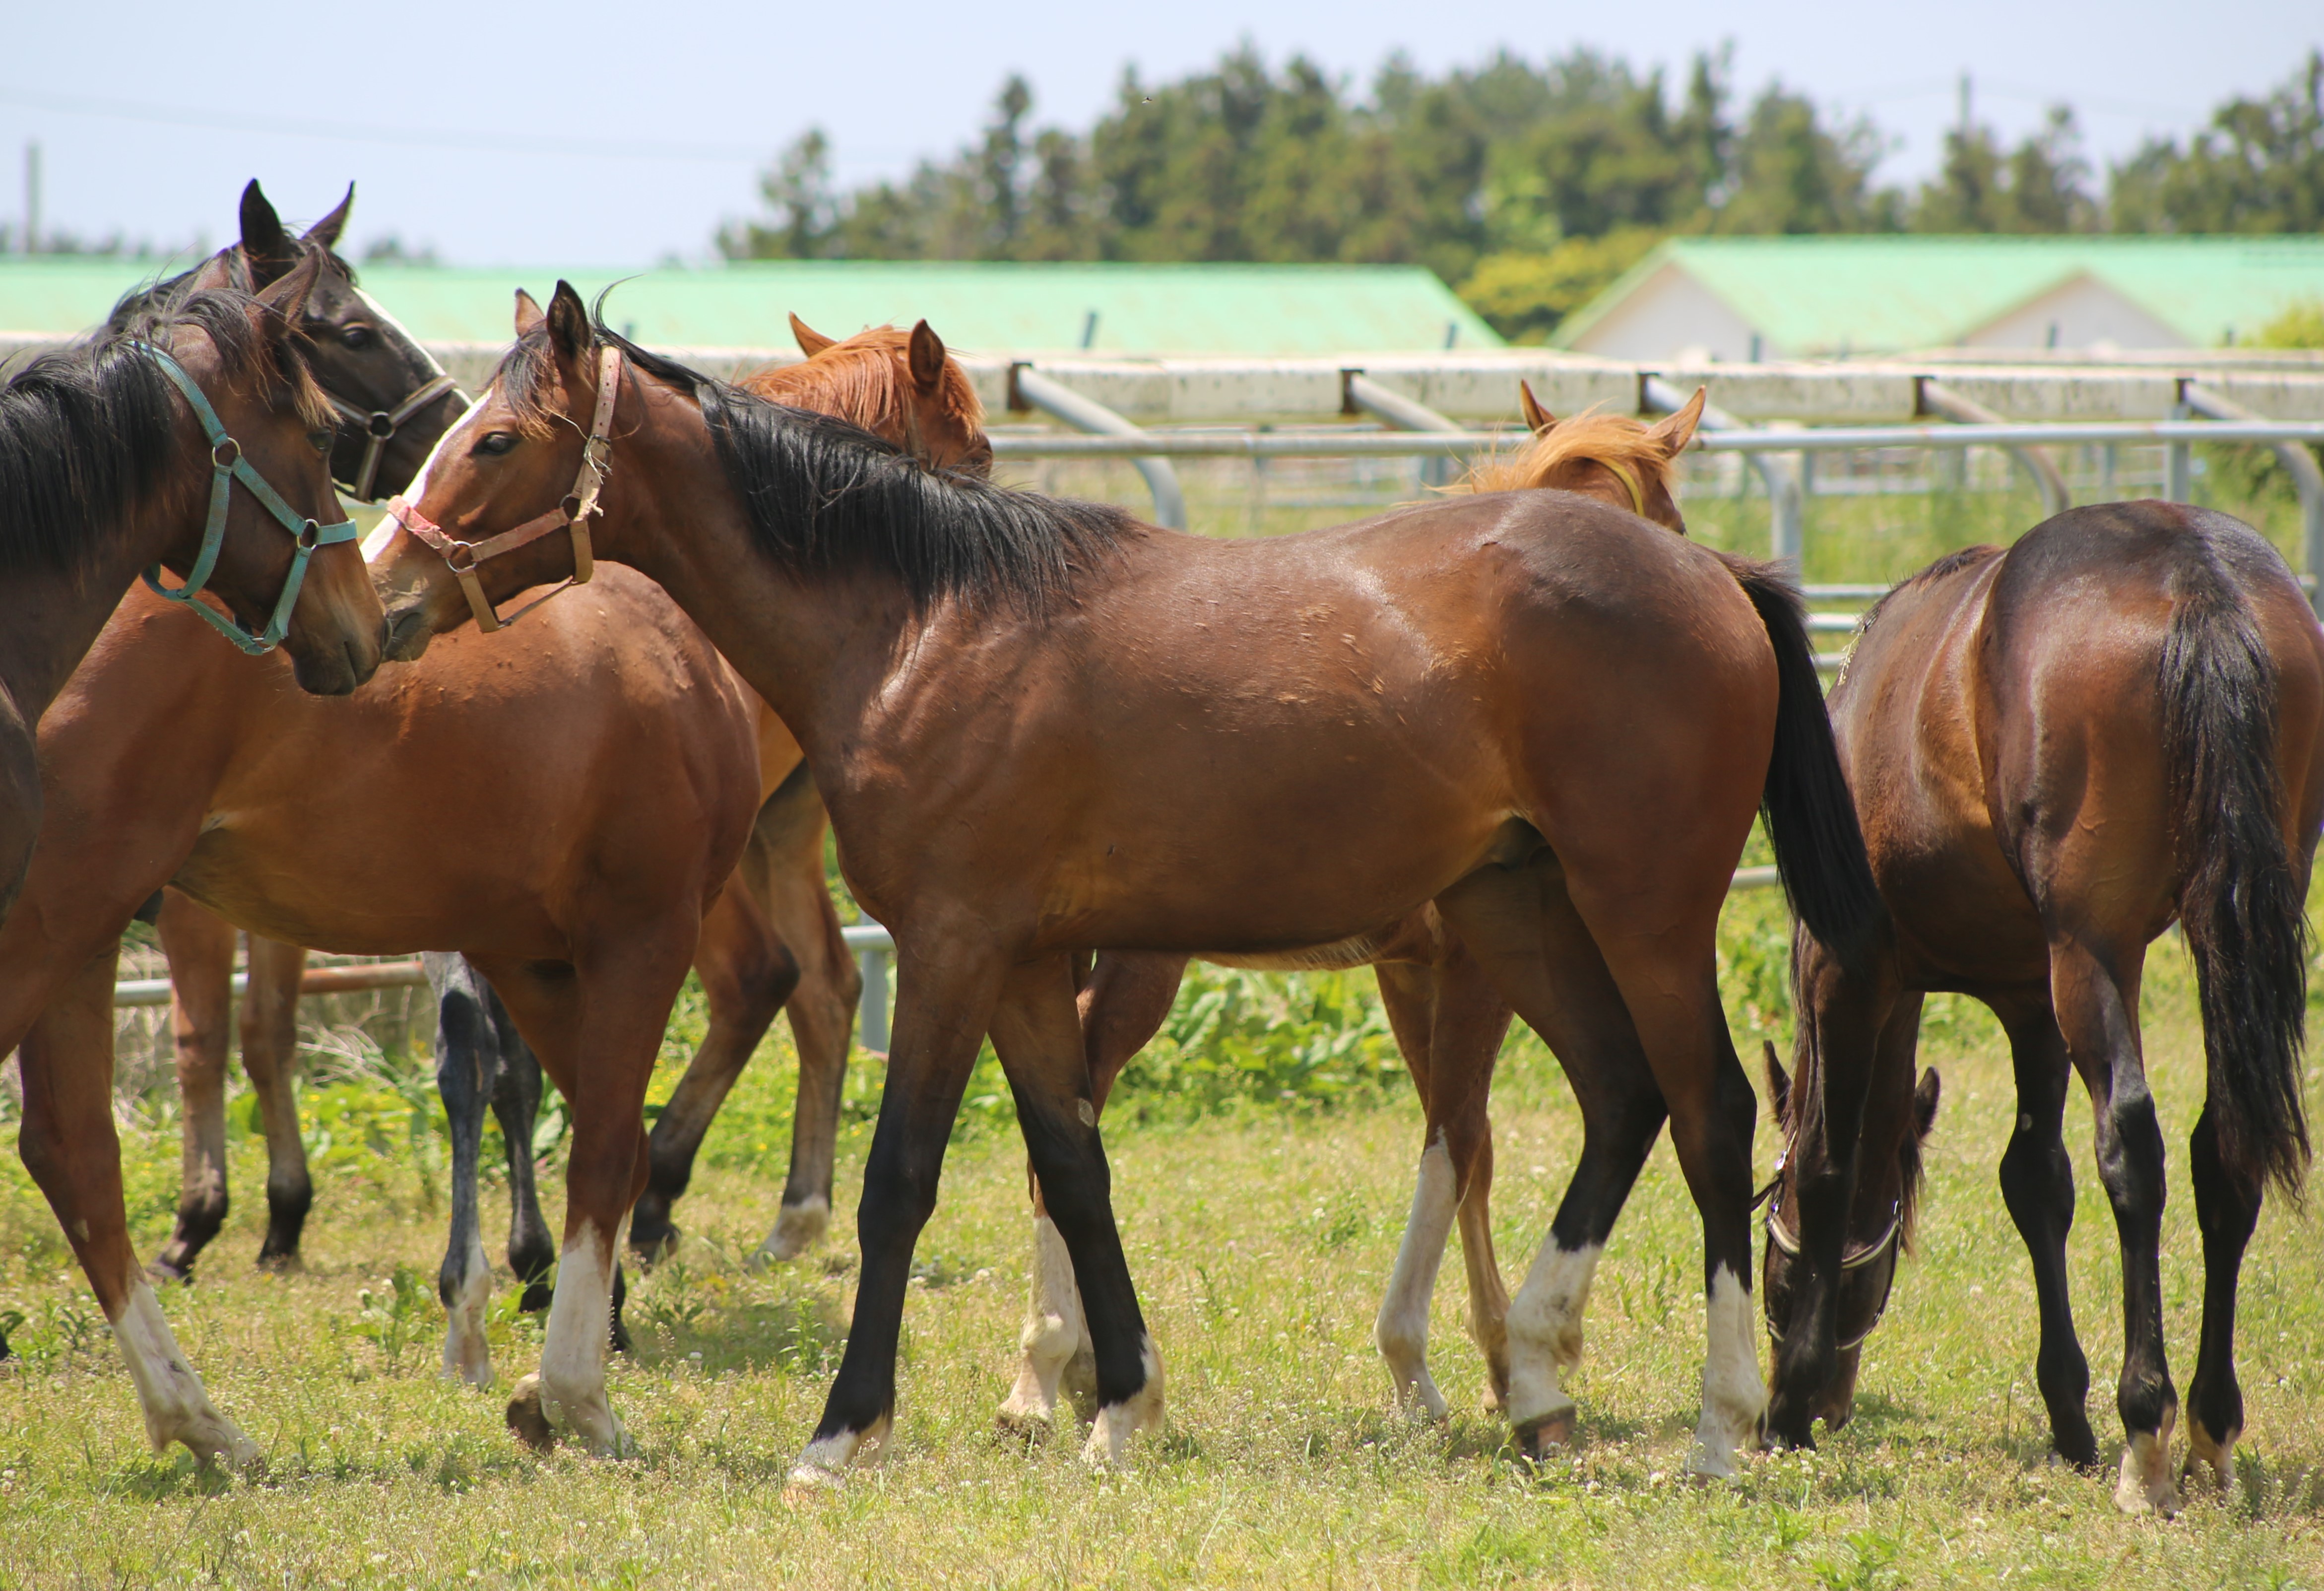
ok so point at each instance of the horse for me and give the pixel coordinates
(1041, 728)
(773, 944)
(187, 440)
(1448, 1021)
(2057, 751)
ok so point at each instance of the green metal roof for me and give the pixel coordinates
(1253, 309)
(1887, 293)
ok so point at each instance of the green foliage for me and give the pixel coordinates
(394, 1319)
(1238, 1037)
(2039, 187)
(1525, 295)
(2299, 326)
(2258, 166)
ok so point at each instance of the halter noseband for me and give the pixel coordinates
(380, 425)
(1871, 1254)
(228, 466)
(573, 515)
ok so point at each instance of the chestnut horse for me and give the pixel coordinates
(773, 944)
(1042, 728)
(2056, 752)
(1449, 1021)
(108, 465)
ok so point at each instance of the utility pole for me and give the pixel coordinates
(32, 196)
(1964, 107)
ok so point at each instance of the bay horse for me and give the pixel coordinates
(149, 448)
(1041, 728)
(771, 944)
(1448, 1019)
(2058, 751)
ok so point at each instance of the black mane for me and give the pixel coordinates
(826, 496)
(157, 296)
(86, 432)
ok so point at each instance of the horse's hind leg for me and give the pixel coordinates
(2095, 994)
(2228, 1210)
(1449, 1021)
(2037, 1183)
(269, 1055)
(747, 974)
(516, 1103)
(1542, 956)
(1123, 1005)
(201, 950)
(467, 1059)
(68, 1144)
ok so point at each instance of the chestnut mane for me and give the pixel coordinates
(864, 381)
(1590, 435)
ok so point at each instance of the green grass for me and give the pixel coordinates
(1259, 1235)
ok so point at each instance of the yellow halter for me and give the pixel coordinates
(1628, 477)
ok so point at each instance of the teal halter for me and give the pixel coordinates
(227, 465)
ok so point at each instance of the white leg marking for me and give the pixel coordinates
(1108, 1446)
(1402, 1330)
(2216, 1454)
(1734, 1398)
(170, 1395)
(828, 1459)
(2145, 1485)
(1054, 1333)
(467, 1356)
(573, 1352)
(1544, 1336)
(798, 1227)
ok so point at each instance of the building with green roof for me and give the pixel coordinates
(1275, 311)
(1748, 299)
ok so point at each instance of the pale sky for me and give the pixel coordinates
(590, 132)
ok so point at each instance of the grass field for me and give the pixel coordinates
(1259, 1235)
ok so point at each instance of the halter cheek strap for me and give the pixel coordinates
(572, 515)
(1630, 478)
(380, 427)
(228, 466)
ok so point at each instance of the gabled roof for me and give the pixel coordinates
(1257, 309)
(1887, 293)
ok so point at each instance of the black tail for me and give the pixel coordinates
(1809, 814)
(2243, 901)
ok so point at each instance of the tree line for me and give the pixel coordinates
(1526, 187)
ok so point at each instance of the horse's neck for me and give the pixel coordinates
(49, 619)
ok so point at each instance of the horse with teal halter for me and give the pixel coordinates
(228, 466)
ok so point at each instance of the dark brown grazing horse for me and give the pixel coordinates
(1449, 1021)
(772, 944)
(2056, 752)
(1043, 728)
(106, 470)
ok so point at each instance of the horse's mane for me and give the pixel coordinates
(1806, 1077)
(826, 496)
(87, 432)
(859, 380)
(1950, 563)
(1589, 435)
(170, 290)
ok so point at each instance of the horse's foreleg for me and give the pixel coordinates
(465, 1064)
(1037, 1035)
(2228, 1210)
(943, 1007)
(1123, 1005)
(200, 946)
(68, 1144)
(821, 1008)
(2037, 1184)
(747, 974)
(269, 1055)
(2097, 1000)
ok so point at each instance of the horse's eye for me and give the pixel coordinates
(495, 443)
(322, 440)
(356, 337)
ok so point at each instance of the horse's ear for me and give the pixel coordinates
(1674, 434)
(1924, 1104)
(811, 342)
(1536, 418)
(213, 273)
(1779, 1086)
(264, 244)
(569, 331)
(286, 300)
(927, 358)
(325, 232)
(528, 311)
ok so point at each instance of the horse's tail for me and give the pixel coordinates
(1811, 815)
(2241, 901)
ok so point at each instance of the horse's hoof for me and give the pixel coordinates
(165, 1275)
(1552, 1434)
(280, 1264)
(653, 1247)
(538, 1296)
(2145, 1485)
(528, 1418)
(1025, 1422)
